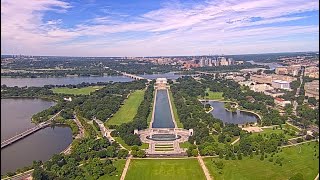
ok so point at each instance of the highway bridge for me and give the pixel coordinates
(28, 132)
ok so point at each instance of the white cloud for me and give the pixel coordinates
(173, 29)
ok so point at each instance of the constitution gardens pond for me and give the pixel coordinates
(16, 116)
(238, 117)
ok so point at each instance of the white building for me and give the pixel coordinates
(279, 84)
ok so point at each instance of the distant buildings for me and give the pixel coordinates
(288, 70)
(267, 79)
(311, 89)
(312, 72)
(209, 62)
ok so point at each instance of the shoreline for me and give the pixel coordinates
(258, 115)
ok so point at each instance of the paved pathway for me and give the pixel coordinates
(235, 141)
(317, 177)
(204, 168)
(126, 167)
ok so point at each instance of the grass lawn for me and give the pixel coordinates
(184, 144)
(296, 159)
(76, 91)
(127, 111)
(276, 131)
(175, 113)
(121, 141)
(213, 95)
(164, 169)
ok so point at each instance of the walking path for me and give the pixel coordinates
(297, 143)
(126, 167)
(204, 168)
(235, 141)
(317, 177)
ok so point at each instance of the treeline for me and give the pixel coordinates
(125, 131)
(104, 103)
(87, 127)
(246, 98)
(87, 151)
(190, 110)
(7, 92)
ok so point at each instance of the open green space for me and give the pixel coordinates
(127, 111)
(213, 95)
(185, 144)
(295, 159)
(163, 169)
(175, 112)
(121, 141)
(269, 131)
(76, 91)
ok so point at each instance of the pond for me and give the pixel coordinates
(16, 116)
(238, 117)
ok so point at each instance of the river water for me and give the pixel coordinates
(39, 82)
(162, 112)
(169, 75)
(15, 118)
(238, 117)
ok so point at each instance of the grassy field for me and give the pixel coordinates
(76, 91)
(296, 159)
(127, 112)
(119, 164)
(175, 113)
(164, 169)
(276, 131)
(184, 144)
(213, 95)
(121, 141)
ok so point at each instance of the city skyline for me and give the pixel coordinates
(171, 28)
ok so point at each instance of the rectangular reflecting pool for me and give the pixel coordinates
(162, 112)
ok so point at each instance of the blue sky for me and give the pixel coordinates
(152, 28)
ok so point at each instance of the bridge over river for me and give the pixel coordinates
(28, 132)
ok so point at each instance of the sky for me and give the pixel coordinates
(158, 28)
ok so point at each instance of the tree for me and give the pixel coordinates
(195, 152)
(239, 156)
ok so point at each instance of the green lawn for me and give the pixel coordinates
(121, 141)
(213, 95)
(127, 111)
(295, 160)
(175, 113)
(165, 169)
(268, 131)
(184, 144)
(76, 91)
(119, 164)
